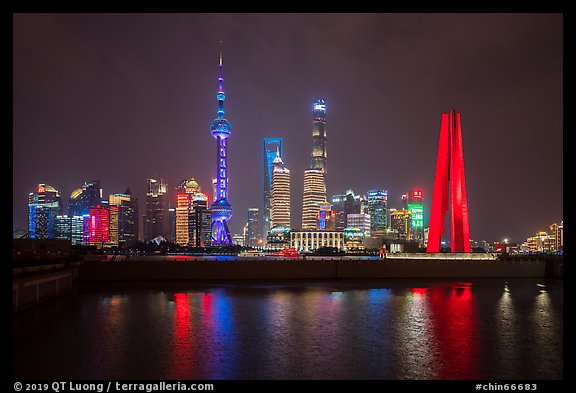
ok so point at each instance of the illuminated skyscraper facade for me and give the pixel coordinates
(343, 205)
(221, 209)
(326, 219)
(253, 237)
(377, 208)
(414, 203)
(63, 227)
(338, 203)
(82, 199)
(319, 134)
(360, 221)
(201, 221)
(98, 226)
(113, 225)
(271, 147)
(314, 195)
(185, 193)
(43, 207)
(450, 189)
(156, 220)
(280, 212)
(314, 177)
(400, 224)
(127, 218)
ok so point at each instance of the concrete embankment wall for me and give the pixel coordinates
(306, 269)
(31, 290)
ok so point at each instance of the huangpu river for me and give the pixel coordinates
(491, 329)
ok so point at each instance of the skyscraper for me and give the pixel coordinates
(185, 193)
(43, 207)
(271, 147)
(82, 199)
(314, 178)
(326, 220)
(450, 169)
(343, 205)
(319, 134)
(413, 202)
(98, 226)
(360, 221)
(280, 214)
(127, 217)
(156, 220)
(201, 222)
(314, 195)
(253, 236)
(221, 209)
(400, 223)
(338, 203)
(377, 208)
(63, 227)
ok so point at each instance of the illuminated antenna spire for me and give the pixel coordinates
(221, 79)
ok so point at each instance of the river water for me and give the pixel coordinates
(341, 329)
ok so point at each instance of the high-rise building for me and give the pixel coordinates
(400, 223)
(221, 209)
(338, 205)
(364, 204)
(84, 198)
(326, 220)
(280, 212)
(244, 235)
(314, 177)
(314, 195)
(172, 220)
(253, 231)
(156, 222)
(450, 188)
(44, 206)
(77, 229)
(271, 148)
(63, 227)
(201, 222)
(185, 193)
(125, 206)
(319, 134)
(113, 225)
(360, 221)
(343, 205)
(414, 203)
(558, 230)
(98, 226)
(377, 208)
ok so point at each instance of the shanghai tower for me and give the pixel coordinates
(221, 209)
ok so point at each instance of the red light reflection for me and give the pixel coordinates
(182, 339)
(454, 321)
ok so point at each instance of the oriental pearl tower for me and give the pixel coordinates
(221, 209)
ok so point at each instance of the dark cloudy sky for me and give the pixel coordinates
(123, 97)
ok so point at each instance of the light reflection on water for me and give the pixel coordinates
(395, 329)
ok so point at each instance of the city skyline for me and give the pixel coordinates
(158, 101)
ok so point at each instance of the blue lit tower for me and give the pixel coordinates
(221, 209)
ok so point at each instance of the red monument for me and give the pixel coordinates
(450, 170)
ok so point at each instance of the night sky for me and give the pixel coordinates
(123, 97)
